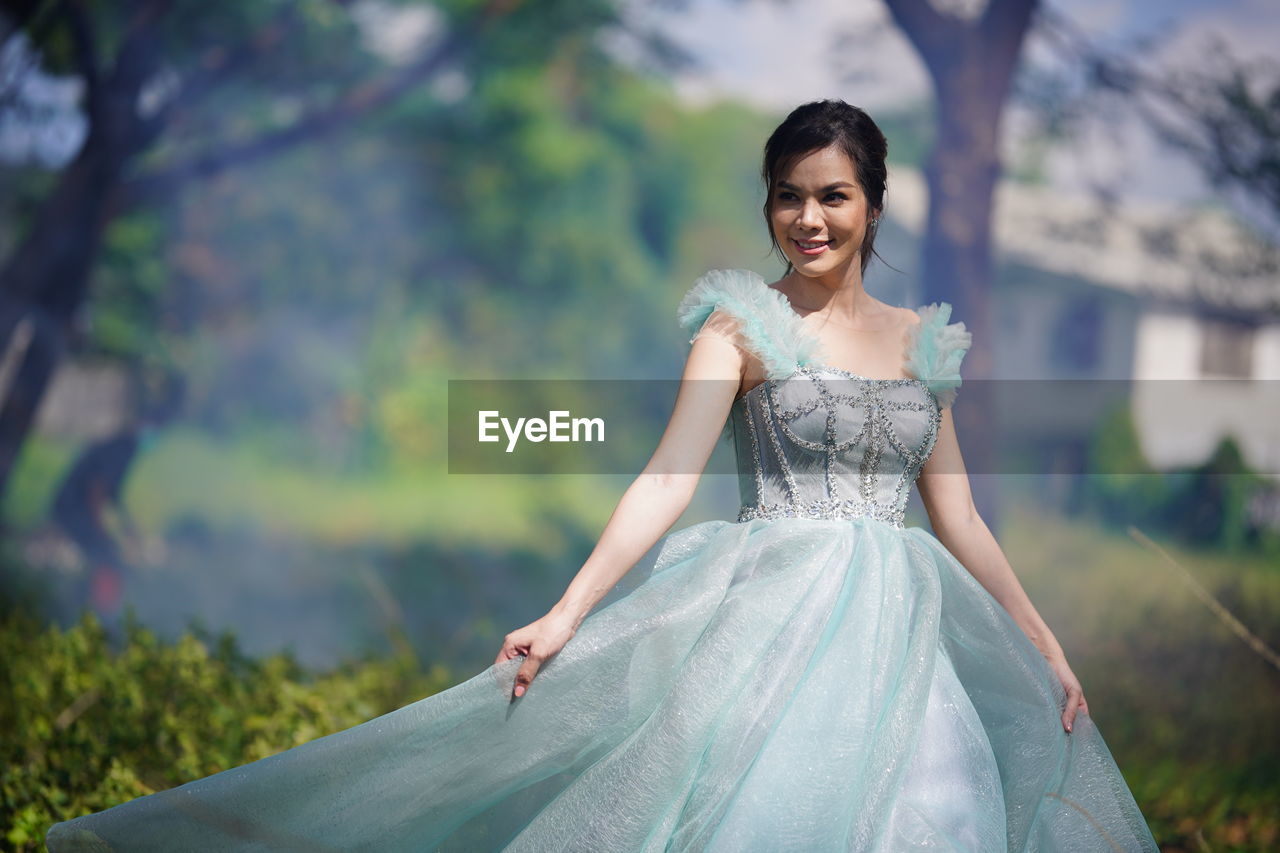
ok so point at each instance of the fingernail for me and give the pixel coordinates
(519, 690)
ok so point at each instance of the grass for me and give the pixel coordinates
(189, 475)
(1187, 708)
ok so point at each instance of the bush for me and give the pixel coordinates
(1213, 504)
(85, 728)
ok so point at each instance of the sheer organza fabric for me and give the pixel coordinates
(790, 683)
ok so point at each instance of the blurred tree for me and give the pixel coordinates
(1223, 112)
(971, 51)
(154, 72)
(1232, 124)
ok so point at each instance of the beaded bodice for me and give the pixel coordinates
(815, 441)
(825, 444)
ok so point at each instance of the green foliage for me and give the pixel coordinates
(36, 476)
(317, 35)
(332, 293)
(910, 131)
(84, 728)
(1186, 707)
(1121, 484)
(25, 190)
(1213, 505)
(546, 201)
(130, 320)
(1207, 505)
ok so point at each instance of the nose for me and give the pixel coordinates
(810, 214)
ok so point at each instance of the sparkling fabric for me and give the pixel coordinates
(827, 444)
(814, 677)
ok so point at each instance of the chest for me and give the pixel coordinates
(879, 355)
(827, 411)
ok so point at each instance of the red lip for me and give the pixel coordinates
(818, 251)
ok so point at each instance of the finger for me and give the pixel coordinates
(505, 653)
(525, 676)
(1069, 716)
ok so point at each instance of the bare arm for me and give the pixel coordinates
(649, 506)
(944, 490)
(663, 490)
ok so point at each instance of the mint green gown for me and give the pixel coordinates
(814, 676)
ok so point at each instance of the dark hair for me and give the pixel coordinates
(820, 124)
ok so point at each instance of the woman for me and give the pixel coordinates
(813, 677)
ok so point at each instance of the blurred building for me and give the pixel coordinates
(1176, 309)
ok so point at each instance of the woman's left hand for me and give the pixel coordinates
(1075, 693)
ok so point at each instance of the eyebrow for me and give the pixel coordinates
(836, 185)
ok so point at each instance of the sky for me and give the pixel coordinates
(777, 54)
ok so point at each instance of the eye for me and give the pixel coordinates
(787, 195)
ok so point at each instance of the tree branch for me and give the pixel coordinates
(20, 13)
(352, 105)
(86, 56)
(217, 62)
(1213, 117)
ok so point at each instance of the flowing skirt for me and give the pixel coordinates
(772, 685)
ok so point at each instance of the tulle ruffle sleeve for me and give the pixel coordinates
(739, 305)
(936, 349)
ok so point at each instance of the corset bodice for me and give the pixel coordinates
(825, 443)
(817, 441)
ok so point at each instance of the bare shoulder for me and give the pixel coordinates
(776, 287)
(910, 316)
(723, 324)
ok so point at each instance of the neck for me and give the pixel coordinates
(838, 295)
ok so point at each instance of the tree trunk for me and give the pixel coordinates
(961, 173)
(46, 281)
(971, 64)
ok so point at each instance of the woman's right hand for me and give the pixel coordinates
(538, 641)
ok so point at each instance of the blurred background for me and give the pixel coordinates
(245, 245)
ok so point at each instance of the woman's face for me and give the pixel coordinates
(820, 201)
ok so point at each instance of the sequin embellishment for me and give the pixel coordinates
(825, 443)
